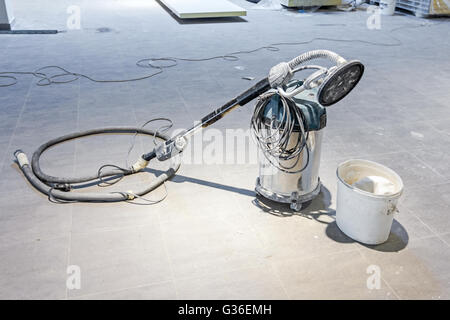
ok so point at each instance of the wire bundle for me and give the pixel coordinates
(275, 137)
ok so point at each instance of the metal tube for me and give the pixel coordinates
(247, 96)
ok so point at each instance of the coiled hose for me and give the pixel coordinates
(58, 188)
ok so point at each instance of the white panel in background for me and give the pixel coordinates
(189, 9)
(6, 15)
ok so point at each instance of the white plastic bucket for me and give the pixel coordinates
(387, 7)
(362, 215)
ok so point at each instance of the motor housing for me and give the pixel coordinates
(294, 186)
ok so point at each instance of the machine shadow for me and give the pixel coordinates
(316, 209)
(201, 20)
(320, 207)
(313, 209)
(181, 179)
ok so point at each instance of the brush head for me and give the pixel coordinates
(340, 82)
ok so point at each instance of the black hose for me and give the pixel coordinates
(70, 180)
(58, 187)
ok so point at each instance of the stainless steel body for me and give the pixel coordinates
(293, 188)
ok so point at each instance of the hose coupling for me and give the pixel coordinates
(21, 158)
(139, 165)
(280, 74)
(171, 148)
(65, 187)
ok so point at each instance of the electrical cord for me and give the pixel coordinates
(161, 129)
(275, 136)
(106, 183)
(46, 79)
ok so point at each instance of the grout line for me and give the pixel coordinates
(418, 186)
(270, 263)
(434, 235)
(430, 122)
(426, 225)
(120, 290)
(391, 288)
(277, 275)
(382, 278)
(73, 172)
(27, 96)
(69, 245)
(217, 273)
(314, 256)
(169, 260)
(185, 105)
(442, 239)
(427, 165)
(362, 156)
(112, 229)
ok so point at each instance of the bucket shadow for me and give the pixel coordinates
(397, 241)
(319, 207)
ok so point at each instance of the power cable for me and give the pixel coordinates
(46, 79)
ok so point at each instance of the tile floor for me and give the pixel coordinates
(208, 239)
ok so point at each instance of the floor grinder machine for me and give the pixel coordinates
(287, 125)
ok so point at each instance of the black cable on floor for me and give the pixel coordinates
(46, 79)
(28, 31)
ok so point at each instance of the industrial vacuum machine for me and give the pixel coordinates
(287, 124)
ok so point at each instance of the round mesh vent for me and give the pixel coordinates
(337, 85)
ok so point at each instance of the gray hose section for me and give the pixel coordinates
(96, 197)
(71, 180)
(315, 54)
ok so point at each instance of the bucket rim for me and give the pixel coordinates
(380, 196)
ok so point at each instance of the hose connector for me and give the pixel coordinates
(280, 74)
(316, 54)
(171, 148)
(21, 158)
(139, 165)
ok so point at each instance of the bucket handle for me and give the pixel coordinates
(392, 208)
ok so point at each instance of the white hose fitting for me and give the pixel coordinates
(283, 72)
(140, 164)
(22, 158)
(315, 54)
(280, 74)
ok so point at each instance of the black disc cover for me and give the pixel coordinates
(340, 83)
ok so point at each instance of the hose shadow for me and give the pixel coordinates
(314, 209)
(182, 179)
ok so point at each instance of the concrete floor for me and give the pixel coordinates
(208, 239)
